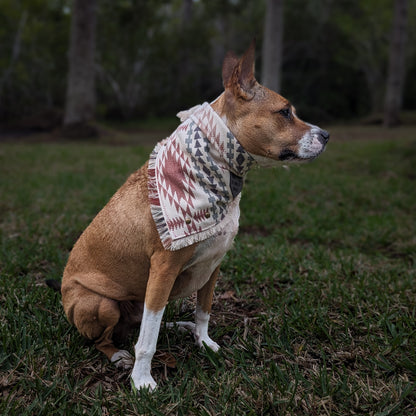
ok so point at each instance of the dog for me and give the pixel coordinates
(164, 233)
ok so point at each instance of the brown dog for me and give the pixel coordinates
(164, 233)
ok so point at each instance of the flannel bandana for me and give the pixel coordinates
(195, 178)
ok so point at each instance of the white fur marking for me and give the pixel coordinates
(201, 330)
(123, 359)
(145, 349)
(309, 144)
(183, 326)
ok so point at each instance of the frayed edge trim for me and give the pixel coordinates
(195, 238)
(155, 207)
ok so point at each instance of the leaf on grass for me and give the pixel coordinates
(229, 294)
(166, 359)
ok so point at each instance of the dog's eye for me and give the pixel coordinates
(285, 112)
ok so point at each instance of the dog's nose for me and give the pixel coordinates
(323, 136)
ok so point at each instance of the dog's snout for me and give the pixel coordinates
(323, 136)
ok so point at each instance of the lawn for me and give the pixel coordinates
(315, 309)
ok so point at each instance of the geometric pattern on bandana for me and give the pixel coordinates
(194, 176)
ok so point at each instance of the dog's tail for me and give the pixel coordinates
(54, 284)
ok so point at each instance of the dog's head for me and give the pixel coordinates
(264, 122)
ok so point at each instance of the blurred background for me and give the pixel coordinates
(69, 63)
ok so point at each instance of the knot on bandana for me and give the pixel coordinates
(194, 177)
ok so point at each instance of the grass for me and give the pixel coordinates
(315, 310)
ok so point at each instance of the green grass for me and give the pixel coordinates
(315, 310)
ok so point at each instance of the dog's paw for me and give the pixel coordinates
(123, 359)
(143, 383)
(203, 341)
(182, 326)
(207, 342)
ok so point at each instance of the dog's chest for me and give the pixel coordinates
(208, 256)
(210, 252)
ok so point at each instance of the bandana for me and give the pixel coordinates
(195, 178)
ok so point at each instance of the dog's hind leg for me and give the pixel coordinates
(95, 317)
(130, 318)
(108, 317)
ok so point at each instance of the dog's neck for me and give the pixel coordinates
(218, 106)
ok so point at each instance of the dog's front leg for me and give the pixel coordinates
(164, 269)
(202, 313)
(145, 348)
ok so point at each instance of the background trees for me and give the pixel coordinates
(37, 79)
(272, 45)
(80, 95)
(397, 64)
(156, 57)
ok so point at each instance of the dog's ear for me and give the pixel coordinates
(238, 74)
(246, 76)
(228, 67)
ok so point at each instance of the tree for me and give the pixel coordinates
(364, 26)
(15, 51)
(272, 45)
(80, 97)
(185, 67)
(397, 63)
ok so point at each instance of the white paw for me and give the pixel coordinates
(144, 382)
(207, 342)
(201, 337)
(183, 326)
(123, 359)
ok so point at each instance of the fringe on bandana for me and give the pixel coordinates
(195, 178)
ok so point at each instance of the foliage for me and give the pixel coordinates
(315, 309)
(34, 39)
(151, 60)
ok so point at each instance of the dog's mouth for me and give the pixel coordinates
(313, 143)
(310, 146)
(287, 155)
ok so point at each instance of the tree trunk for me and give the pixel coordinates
(80, 96)
(397, 63)
(376, 85)
(187, 15)
(184, 85)
(15, 51)
(273, 45)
